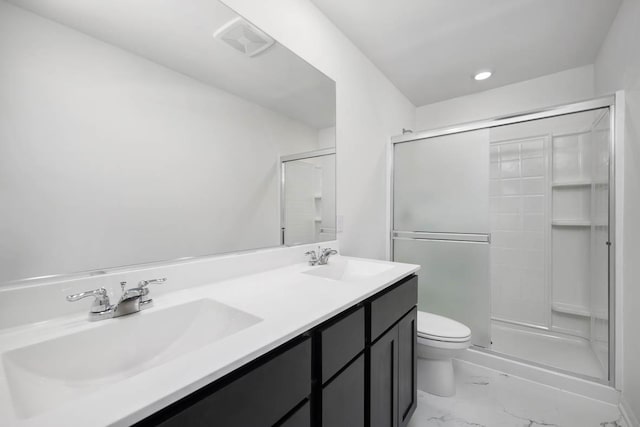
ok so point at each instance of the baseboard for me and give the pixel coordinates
(572, 384)
(628, 414)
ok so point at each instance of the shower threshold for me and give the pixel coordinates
(566, 353)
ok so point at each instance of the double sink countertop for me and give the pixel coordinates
(72, 372)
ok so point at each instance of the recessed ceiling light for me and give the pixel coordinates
(482, 75)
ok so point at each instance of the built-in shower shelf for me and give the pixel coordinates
(577, 183)
(575, 310)
(571, 223)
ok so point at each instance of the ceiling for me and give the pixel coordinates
(430, 49)
(179, 35)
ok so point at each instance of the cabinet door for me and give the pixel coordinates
(383, 373)
(407, 386)
(343, 398)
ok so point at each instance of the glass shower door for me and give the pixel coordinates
(441, 221)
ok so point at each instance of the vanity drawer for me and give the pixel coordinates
(343, 399)
(388, 308)
(341, 342)
(258, 398)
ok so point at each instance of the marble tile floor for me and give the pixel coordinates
(488, 398)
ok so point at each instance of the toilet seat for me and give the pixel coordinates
(439, 328)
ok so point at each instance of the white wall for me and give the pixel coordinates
(618, 67)
(369, 110)
(156, 150)
(559, 88)
(327, 137)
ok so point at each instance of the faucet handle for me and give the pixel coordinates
(145, 301)
(313, 256)
(101, 302)
(144, 283)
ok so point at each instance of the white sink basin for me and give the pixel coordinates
(349, 270)
(44, 375)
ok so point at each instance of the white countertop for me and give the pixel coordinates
(288, 301)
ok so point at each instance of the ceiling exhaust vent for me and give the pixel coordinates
(244, 37)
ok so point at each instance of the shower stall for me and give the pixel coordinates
(511, 220)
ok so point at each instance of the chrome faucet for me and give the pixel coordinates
(131, 301)
(321, 256)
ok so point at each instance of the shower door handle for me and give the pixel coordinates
(456, 237)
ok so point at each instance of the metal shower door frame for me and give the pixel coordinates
(537, 114)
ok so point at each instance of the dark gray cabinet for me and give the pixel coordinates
(356, 369)
(392, 352)
(383, 375)
(407, 367)
(341, 341)
(344, 397)
(301, 417)
(393, 391)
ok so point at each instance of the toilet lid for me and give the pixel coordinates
(441, 328)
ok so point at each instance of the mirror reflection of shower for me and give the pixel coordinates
(308, 211)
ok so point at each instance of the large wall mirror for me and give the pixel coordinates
(137, 131)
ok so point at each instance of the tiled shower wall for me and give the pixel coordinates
(518, 203)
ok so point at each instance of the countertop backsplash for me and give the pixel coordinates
(26, 303)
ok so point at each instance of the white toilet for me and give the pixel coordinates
(439, 340)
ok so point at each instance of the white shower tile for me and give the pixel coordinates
(533, 148)
(566, 166)
(510, 205)
(533, 222)
(566, 143)
(506, 239)
(532, 240)
(509, 151)
(506, 222)
(531, 260)
(510, 257)
(533, 167)
(533, 186)
(531, 280)
(510, 187)
(533, 204)
(510, 169)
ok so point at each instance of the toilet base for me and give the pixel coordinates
(436, 376)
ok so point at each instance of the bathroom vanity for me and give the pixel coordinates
(348, 371)
(292, 345)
